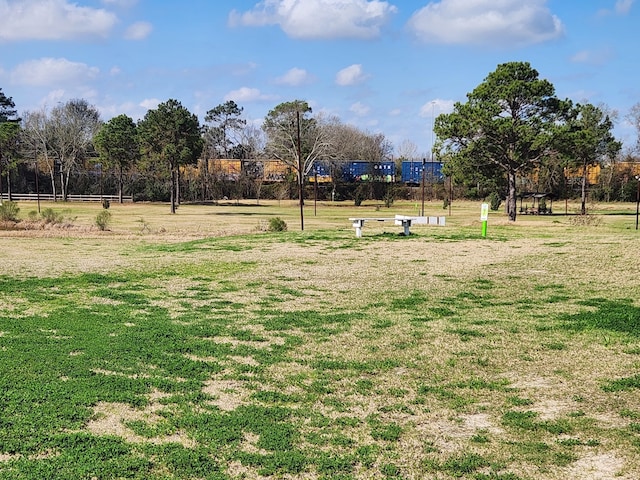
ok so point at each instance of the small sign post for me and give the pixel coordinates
(484, 217)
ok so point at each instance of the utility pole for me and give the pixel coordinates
(300, 172)
(37, 185)
(424, 164)
(315, 191)
(637, 200)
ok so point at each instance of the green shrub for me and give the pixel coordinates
(49, 215)
(277, 225)
(103, 219)
(494, 201)
(9, 211)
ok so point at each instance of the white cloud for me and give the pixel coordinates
(53, 71)
(593, 57)
(109, 107)
(435, 107)
(149, 103)
(90, 94)
(623, 6)
(54, 97)
(52, 20)
(360, 109)
(319, 18)
(120, 3)
(583, 95)
(110, 110)
(486, 22)
(295, 77)
(246, 94)
(351, 75)
(242, 69)
(138, 31)
(59, 95)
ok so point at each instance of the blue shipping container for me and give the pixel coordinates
(360, 171)
(412, 172)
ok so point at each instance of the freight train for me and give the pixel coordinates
(411, 172)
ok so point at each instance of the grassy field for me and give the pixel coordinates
(200, 346)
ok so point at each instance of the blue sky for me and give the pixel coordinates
(384, 66)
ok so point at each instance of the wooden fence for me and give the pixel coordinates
(48, 197)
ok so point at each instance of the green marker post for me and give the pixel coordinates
(484, 217)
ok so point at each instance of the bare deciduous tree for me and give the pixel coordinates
(407, 150)
(36, 143)
(295, 138)
(633, 117)
(72, 126)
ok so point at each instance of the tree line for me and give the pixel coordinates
(511, 125)
(71, 138)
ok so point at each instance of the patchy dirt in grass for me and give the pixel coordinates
(450, 432)
(109, 418)
(77, 252)
(598, 467)
(227, 394)
(104, 301)
(610, 420)
(240, 471)
(197, 358)
(533, 383)
(247, 343)
(369, 278)
(8, 457)
(134, 376)
(248, 360)
(548, 409)
(250, 442)
(474, 422)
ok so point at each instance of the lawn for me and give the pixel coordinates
(202, 346)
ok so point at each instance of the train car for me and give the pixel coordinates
(631, 168)
(275, 170)
(225, 168)
(412, 172)
(575, 174)
(363, 171)
(321, 172)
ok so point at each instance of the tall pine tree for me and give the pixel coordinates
(9, 129)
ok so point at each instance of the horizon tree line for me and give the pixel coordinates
(511, 124)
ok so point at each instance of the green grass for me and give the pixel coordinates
(318, 355)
